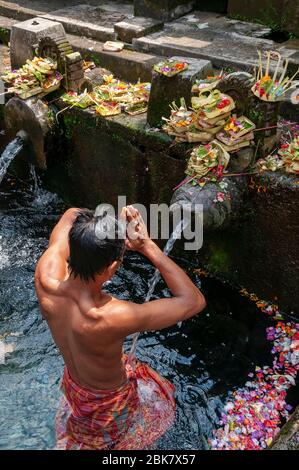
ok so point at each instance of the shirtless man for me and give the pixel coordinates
(88, 325)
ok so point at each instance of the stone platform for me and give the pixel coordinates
(228, 43)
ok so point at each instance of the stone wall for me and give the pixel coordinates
(277, 14)
(261, 251)
(107, 157)
(218, 6)
(164, 10)
(98, 159)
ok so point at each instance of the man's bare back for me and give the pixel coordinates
(88, 325)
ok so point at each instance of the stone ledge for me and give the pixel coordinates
(288, 437)
(129, 65)
(80, 28)
(18, 12)
(136, 27)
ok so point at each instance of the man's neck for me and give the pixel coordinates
(92, 286)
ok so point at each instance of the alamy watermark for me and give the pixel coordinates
(185, 220)
(2, 92)
(2, 352)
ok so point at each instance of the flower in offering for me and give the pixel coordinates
(208, 83)
(108, 108)
(207, 163)
(270, 163)
(36, 76)
(126, 94)
(287, 159)
(171, 67)
(238, 133)
(272, 88)
(81, 100)
(180, 121)
(290, 156)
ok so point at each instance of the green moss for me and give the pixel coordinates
(51, 116)
(257, 117)
(70, 122)
(4, 35)
(269, 16)
(219, 260)
(77, 118)
(93, 57)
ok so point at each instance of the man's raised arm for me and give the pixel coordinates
(186, 302)
(60, 233)
(52, 266)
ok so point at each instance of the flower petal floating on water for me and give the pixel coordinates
(251, 420)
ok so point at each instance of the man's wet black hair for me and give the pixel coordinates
(95, 242)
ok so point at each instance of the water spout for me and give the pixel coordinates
(10, 153)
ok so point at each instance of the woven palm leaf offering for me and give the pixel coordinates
(138, 107)
(132, 98)
(169, 68)
(113, 46)
(36, 76)
(208, 83)
(108, 108)
(78, 100)
(290, 156)
(213, 111)
(207, 163)
(139, 97)
(272, 88)
(286, 159)
(180, 121)
(113, 88)
(237, 133)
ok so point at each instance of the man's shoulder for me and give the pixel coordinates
(115, 311)
(118, 306)
(50, 270)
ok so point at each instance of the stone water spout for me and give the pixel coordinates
(220, 205)
(33, 118)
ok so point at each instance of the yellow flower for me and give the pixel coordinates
(265, 79)
(108, 78)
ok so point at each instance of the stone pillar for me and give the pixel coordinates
(165, 90)
(164, 10)
(75, 79)
(26, 35)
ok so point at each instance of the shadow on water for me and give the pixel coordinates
(206, 357)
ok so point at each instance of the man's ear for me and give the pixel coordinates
(112, 268)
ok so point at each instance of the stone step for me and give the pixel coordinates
(136, 27)
(227, 52)
(84, 28)
(126, 64)
(17, 12)
(226, 42)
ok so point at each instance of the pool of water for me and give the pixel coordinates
(206, 357)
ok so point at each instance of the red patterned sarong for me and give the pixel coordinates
(131, 417)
